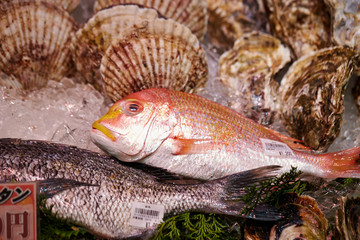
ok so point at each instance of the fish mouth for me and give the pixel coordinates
(104, 130)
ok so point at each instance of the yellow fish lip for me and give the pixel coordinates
(104, 130)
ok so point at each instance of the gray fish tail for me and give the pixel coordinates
(233, 189)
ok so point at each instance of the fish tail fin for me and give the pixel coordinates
(53, 186)
(233, 189)
(344, 164)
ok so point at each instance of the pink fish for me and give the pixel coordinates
(192, 136)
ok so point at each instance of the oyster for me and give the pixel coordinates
(230, 19)
(346, 30)
(303, 220)
(248, 70)
(345, 16)
(303, 25)
(312, 93)
(163, 54)
(348, 218)
(91, 41)
(35, 38)
(191, 13)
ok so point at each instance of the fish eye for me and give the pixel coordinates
(132, 107)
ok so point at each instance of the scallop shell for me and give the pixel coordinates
(230, 19)
(348, 218)
(312, 93)
(248, 69)
(91, 41)
(304, 25)
(35, 38)
(68, 5)
(302, 220)
(191, 13)
(164, 54)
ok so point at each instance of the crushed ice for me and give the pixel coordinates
(62, 112)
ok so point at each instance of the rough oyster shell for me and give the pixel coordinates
(345, 16)
(307, 220)
(348, 218)
(230, 19)
(303, 220)
(248, 70)
(304, 25)
(356, 92)
(191, 13)
(35, 38)
(312, 93)
(346, 30)
(91, 41)
(164, 54)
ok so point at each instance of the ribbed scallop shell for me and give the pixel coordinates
(164, 54)
(304, 25)
(248, 70)
(91, 41)
(348, 218)
(68, 5)
(312, 93)
(191, 13)
(230, 19)
(35, 38)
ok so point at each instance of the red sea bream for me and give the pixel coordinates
(189, 135)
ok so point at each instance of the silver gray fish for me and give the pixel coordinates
(98, 193)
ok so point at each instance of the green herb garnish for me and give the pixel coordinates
(198, 226)
(270, 190)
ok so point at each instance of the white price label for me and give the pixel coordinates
(275, 148)
(145, 215)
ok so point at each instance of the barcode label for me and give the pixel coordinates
(275, 148)
(145, 215)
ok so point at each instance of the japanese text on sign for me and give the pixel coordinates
(18, 210)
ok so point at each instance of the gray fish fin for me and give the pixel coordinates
(53, 186)
(233, 189)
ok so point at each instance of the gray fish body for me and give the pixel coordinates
(104, 204)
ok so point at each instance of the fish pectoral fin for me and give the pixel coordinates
(192, 146)
(52, 186)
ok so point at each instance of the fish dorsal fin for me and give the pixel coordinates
(162, 175)
(294, 143)
(192, 146)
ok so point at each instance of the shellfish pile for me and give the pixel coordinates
(154, 52)
(126, 46)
